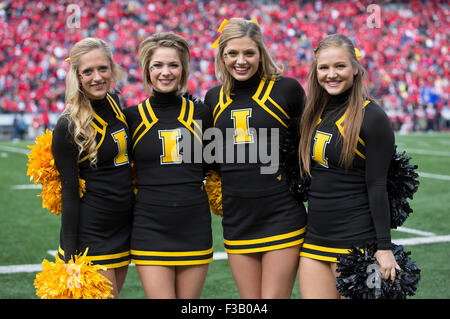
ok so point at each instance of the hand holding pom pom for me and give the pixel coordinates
(42, 170)
(78, 279)
(360, 276)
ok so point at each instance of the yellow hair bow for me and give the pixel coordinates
(215, 45)
(358, 54)
(67, 60)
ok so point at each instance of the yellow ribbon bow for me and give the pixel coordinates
(358, 54)
(215, 45)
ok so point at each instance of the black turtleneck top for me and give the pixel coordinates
(350, 206)
(254, 120)
(167, 145)
(108, 183)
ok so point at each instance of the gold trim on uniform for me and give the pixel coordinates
(340, 127)
(189, 121)
(115, 260)
(171, 263)
(186, 118)
(172, 258)
(261, 97)
(100, 125)
(322, 252)
(266, 243)
(272, 108)
(145, 121)
(116, 109)
(222, 104)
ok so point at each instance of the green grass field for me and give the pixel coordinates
(28, 232)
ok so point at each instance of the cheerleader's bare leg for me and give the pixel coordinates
(170, 282)
(279, 269)
(189, 281)
(268, 274)
(247, 273)
(317, 279)
(117, 278)
(158, 281)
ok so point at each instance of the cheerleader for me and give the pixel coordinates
(171, 241)
(346, 145)
(263, 224)
(91, 141)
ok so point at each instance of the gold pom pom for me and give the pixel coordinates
(78, 279)
(42, 170)
(213, 187)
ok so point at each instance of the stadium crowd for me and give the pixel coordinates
(404, 46)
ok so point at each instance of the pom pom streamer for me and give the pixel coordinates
(42, 170)
(360, 277)
(78, 279)
(213, 187)
(402, 183)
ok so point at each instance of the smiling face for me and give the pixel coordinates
(335, 71)
(95, 74)
(241, 57)
(165, 69)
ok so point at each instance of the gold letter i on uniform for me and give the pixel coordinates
(241, 126)
(170, 146)
(321, 140)
(120, 137)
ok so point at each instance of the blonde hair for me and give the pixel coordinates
(79, 110)
(239, 28)
(166, 40)
(318, 98)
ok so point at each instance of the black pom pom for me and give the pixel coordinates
(408, 278)
(402, 183)
(360, 277)
(298, 186)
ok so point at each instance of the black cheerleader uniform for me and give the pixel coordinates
(101, 219)
(259, 212)
(172, 220)
(348, 207)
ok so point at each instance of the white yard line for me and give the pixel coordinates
(14, 149)
(26, 186)
(223, 255)
(220, 255)
(422, 240)
(434, 176)
(414, 231)
(20, 268)
(425, 152)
